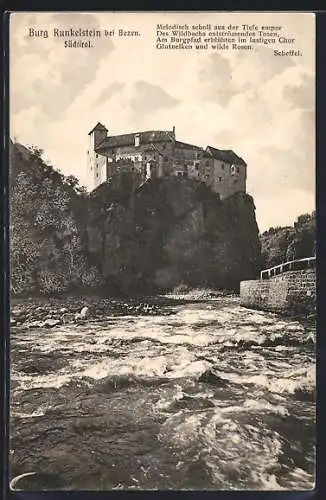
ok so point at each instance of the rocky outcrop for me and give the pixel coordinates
(141, 239)
(169, 232)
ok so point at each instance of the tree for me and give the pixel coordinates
(282, 244)
(47, 248)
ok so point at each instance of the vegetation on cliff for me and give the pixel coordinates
(48, 252)
(281, 244)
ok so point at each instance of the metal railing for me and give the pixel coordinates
(292, 265)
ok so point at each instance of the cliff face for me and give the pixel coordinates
(169, 232)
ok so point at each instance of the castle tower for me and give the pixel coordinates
(96, 164)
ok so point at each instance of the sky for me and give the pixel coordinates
(259, 105)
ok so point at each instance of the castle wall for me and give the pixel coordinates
(222, 177)
(101, 162)
(186, 161)
(170, 158)
(96, 163)
(206, 171)
(132, 152)
(162, 154)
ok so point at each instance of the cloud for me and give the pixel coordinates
(283, 170)
(259, 105)
(283, 208)
(108, 92)
(215, 78)
(300, 93)
(263, 66)
(45, 73)
(150, 98)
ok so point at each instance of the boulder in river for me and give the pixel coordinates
(36, 324)
(50, 323)
(18, 313)
(209, 377)
(84, 312)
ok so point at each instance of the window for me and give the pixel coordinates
(197, 166)
(238, 169)
(179, 174)
(96, 155)
(207, 163)
(219, 179)
(166, 158)
(137, 140)
(233, 170)
(163, 146)
(222, 166)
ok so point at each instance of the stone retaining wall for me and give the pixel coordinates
(291, 292)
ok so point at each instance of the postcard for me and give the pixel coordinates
(162, 251)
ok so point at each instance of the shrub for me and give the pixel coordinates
(180, 289)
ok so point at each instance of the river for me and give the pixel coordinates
(203, 396)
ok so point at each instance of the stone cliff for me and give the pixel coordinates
(169, 232)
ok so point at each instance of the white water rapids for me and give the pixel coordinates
(213, 396)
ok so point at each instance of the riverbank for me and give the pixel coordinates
(49, 312)
(38, 312)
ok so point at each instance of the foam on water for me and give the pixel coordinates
(169, 397)
(256, 406)
(149, 367)
(290, 382)
(26, 382)
(235, 454)
(40, 412)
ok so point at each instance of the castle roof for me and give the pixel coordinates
(225, 155)
(148, 137)
(98, 126)
(186, 145)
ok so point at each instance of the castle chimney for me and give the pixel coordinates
(173, 130)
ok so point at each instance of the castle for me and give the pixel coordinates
(157, 153)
